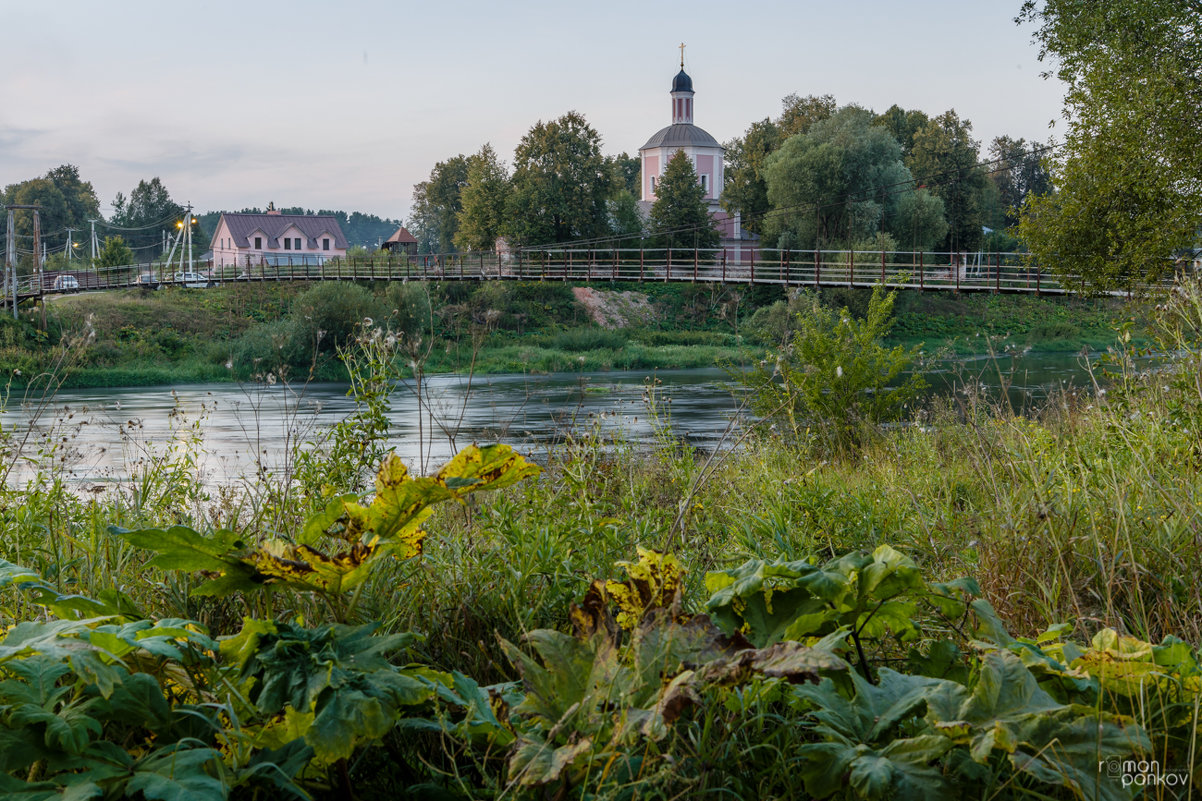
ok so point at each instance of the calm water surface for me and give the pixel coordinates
(104, 434)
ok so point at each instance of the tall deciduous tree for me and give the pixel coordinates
(679, 217)
(64, 201)
(625, 172)
(746, 190)
(837, 184)
(484, 198)
(946, 159)
(903, 124)
(560, 184)
(436, 206)
(1129, 179)
(1018, 172)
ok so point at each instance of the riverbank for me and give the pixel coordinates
(652, 621)
(291, 331)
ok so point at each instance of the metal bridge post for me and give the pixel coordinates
(724, 266)
(882, 268)
(695, 261)
(851, 267)
(956, 267)
(752, 264)
(921, 278)
(817, 267)
(997, 272)
(668, 267)
(642, 265)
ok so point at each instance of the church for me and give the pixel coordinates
(703, 150)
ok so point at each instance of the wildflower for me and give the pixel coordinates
(838, 372)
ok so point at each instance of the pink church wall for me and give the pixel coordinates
(705, 166)
(650, 170)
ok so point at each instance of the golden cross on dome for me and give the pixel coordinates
(682, 55)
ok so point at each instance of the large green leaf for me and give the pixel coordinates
(178, 772)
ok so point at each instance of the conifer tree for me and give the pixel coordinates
(680, 217)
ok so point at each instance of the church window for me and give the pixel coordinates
(705, 184)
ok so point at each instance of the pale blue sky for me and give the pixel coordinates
(348, 105)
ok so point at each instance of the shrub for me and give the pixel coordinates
(835, 376)
(328, 314)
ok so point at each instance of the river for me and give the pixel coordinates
(101, 435)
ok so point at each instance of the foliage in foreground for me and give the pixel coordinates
(857, 676)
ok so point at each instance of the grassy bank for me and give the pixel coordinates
(240, 332)
(778, 650)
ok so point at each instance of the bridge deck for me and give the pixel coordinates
(992, 272)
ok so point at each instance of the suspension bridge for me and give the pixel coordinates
(926, 271)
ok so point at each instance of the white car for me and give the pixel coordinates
(192, 280)
(66, 283)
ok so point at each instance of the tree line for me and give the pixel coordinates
(141, 225)
(816, 176)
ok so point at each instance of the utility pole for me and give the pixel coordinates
(188, 225)
(69, 245)
(10, 267)
(10, 251)
(95, 249)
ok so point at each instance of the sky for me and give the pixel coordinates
(347, 105)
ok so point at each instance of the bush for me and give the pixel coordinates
(327, 314)
(411, 308)
(835, 377)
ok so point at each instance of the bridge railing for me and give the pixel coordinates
(748, 264)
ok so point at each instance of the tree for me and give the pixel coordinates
(799, 114)
(115, 253)
(1129, 178)
(1018, 172)
(680, 217)
(560, 184)
(903, 125)
(836, 184)
(625, 218)
(746, 190)
(436, 206)
(625, 173)
(945, 159)
(483, 199)
(920, 223)
(64, 202)
(144, 216)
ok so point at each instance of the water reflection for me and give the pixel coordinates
(235, 431)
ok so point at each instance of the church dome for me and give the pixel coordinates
(682, 82)
(681, 135)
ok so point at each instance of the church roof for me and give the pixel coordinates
(682, 82)
(681, 135)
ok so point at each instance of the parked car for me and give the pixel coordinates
(193, 280)
(147, 281)
(66, 283)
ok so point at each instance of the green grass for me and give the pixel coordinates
(1086, 512)
(177, 335)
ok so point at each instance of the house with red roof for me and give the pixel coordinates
(401, 242)
(251, 240)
